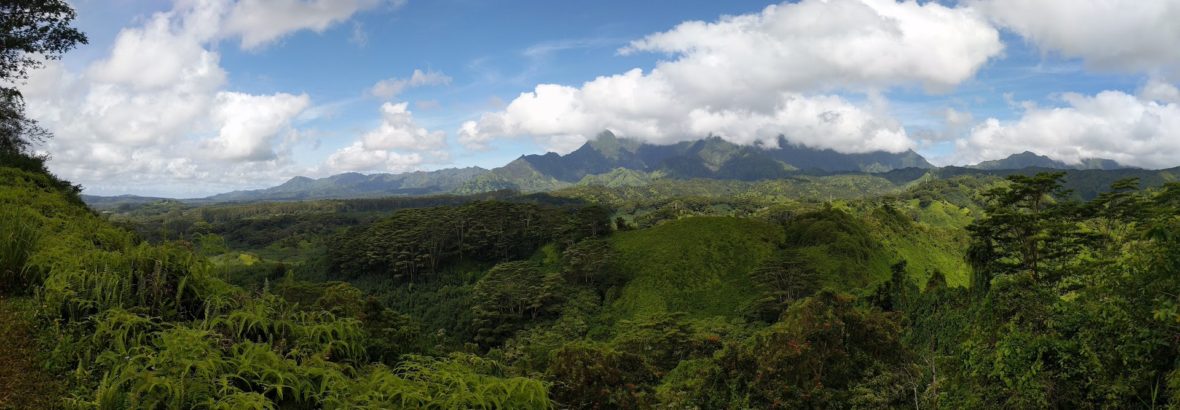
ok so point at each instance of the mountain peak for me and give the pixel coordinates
(611, 146)
(1029, 159)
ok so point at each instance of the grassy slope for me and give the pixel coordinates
(695, 265)
(938, 242)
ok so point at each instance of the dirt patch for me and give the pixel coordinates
(24, 384)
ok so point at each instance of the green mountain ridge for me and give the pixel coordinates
(1029, 159)
(354, 185)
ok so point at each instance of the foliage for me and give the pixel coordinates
(35, 30)
(1069, 308)
(598, 377)
(860, 303)
(593, 263)
(151, 326)
(509, 295)
(819, 355)
(32, 31)
(695, 265)
(783, 279)
(416, 244)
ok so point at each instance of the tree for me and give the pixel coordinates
(589, 376)
(390, 334)
(508, 297)
(893, 295)
(783, 280)
(593, 263)
(1029, 228)
(825, 352)
(33, 31)
(17, 132)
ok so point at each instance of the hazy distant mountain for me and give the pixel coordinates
(1084, 183)
(607, 160)
(517, 175)
(1028, 159)
(354, 185)
(711, 157)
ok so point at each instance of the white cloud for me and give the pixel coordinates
(747, 78)
(1123, 35)
(249, 123)
(356, 157)
(817, 44)
(391, 87)
(261, 22)
(547, 48)
(155, 112)
(477, 135)
(1132, 130)
(398, 131)
(375, 151)
(956, 119)
(1158, 90)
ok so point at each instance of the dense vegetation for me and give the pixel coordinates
(946, 288)
(954, 293)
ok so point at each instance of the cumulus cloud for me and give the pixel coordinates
(391, 87)
(1135, 36)
(1133, 130)
(398, 131)
(752, 77)
(261, 22)
(1158, 90)
(377, 150)
(156, 110)
(356, 157)
(248, 123)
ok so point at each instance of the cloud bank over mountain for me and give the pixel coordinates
(753, 77)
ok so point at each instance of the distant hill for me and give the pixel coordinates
(113, 202)
(356, 185)
(1084, 183)
(1029, 159)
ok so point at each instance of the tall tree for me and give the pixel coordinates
(1030, 226)
(31, 32)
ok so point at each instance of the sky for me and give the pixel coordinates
(195, 97)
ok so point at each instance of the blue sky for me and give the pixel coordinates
(305, 92)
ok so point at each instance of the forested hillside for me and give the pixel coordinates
(700, 274)
(953, 293)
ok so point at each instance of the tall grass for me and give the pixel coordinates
(19, 232)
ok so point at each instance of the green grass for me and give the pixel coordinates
(698, 265)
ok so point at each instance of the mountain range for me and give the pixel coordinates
(614, 161)
(712, 157)
(357, 185)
